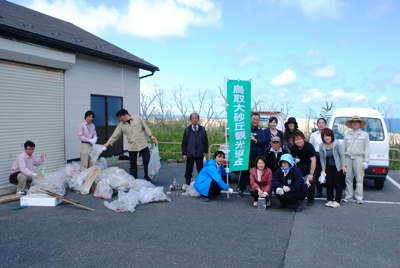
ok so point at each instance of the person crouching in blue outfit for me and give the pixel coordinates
(289, 184)
(209, 182)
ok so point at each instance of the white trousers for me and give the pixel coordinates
(354, 169)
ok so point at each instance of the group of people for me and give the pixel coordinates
(281, 162)
(134, 128)
(285, 163)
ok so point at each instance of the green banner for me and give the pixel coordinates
(238, 99)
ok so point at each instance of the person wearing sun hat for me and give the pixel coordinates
(357, 151)
(290, 126)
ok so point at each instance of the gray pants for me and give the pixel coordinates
(354, 169)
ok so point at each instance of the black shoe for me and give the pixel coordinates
(319, 194)
(310, 203)
(148, 179)
(281, 206)
(299, 208)
(204, 199)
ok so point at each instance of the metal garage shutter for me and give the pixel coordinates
(31, 108)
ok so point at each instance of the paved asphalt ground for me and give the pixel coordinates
(226, 232)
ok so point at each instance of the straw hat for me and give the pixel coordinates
(355, 118)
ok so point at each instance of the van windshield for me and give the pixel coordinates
(264, 122)
(374, 128)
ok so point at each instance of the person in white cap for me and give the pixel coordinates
(357, 151)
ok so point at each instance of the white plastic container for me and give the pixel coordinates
(39, 200)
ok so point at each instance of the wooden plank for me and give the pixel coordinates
(9, 198)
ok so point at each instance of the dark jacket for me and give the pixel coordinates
(267, 137)
(257, 148)
(194, 144)
(293, 179)
(272, 161)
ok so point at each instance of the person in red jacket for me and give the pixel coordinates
(261, 181)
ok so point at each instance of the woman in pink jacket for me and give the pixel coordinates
(261, 181)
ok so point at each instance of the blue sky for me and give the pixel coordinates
(297, 53)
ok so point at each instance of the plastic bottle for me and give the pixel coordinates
(174, 185)
(113, 159)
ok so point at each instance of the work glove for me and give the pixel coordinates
(365, 166)
(230, 191)
(227, 170)
(279, 191)
(93, 141)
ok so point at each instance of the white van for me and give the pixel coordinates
(266, 115)
(378, 166)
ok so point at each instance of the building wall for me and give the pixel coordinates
(99, 77)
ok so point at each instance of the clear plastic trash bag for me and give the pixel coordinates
(103, 191)
(49, 185)
(152, 195)
(94, 152)
(126, 202)
(154, 163)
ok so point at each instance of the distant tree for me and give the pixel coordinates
(147, 106)
(325, 109)
(310, 117)
(181, 105)
(286, 107)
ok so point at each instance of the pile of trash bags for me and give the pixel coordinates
(108, 181)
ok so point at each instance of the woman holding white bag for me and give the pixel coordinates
(333, 166)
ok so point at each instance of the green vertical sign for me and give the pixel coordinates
(238, 99)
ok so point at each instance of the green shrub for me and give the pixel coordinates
(394, 165)
(172, 131)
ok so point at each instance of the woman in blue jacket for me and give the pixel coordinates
(209, 182)
(289, 184)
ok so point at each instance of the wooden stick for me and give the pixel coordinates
(78, 205)
(65, 197)
(9, 198)
(66, 200)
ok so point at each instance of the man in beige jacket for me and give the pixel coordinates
(137, 133)
(357, 151)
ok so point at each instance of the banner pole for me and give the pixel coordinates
(226, 133)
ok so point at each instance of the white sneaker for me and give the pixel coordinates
(255, 203)
(335, 204)
(328, 204)
(20, 192)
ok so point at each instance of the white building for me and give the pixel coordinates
(51, 73)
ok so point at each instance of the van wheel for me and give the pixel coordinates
(379, 184)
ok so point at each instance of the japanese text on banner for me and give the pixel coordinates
(239, 123)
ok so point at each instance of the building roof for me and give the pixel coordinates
(21, 23)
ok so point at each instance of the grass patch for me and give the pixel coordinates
(394, 165)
